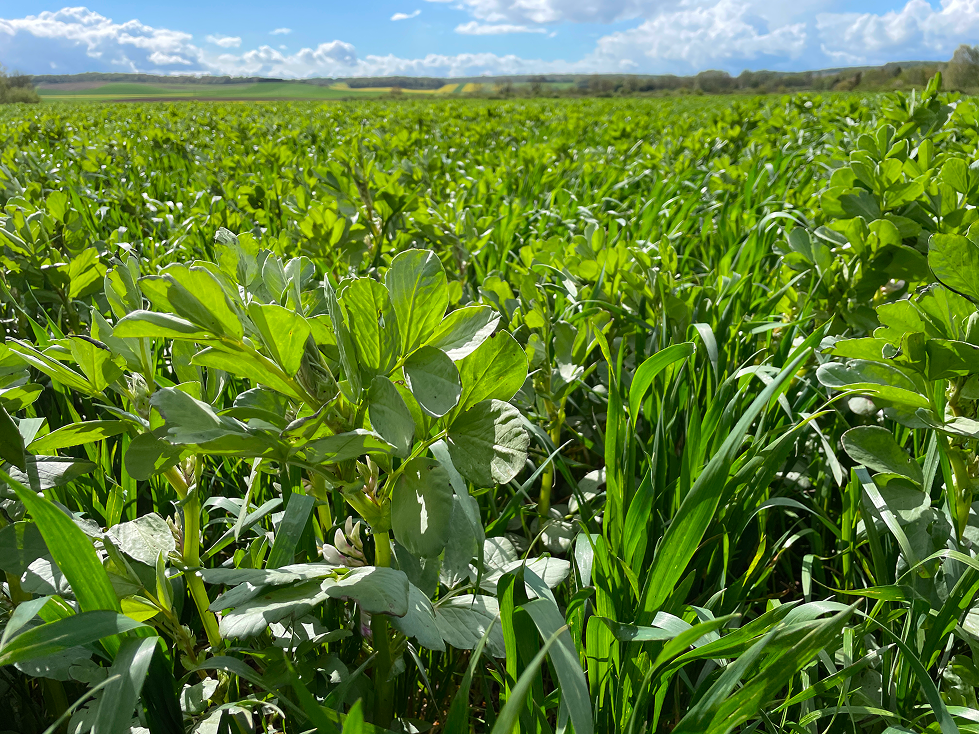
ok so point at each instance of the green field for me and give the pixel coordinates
(287, 90)
(122, 91)
(489, 416)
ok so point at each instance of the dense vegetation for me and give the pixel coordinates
(961, 74)
(475, 416)
(16, 88)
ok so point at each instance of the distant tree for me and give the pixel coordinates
(600, 85)
(962, 71)
(714, 81)
(537, 85)
(16, 88)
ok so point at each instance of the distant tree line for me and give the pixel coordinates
(97, 76)
(16, 88)
(960, 73)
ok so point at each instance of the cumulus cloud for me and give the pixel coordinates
(556, 11)
(694, 38)
(81, 39)
(917, 29)
(78, 39)
(472, 28)
(225, 41)
(406, 16)
(667, 36)
(281, 32)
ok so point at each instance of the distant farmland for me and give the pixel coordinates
(286, 90)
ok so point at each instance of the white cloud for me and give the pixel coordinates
(918, 29)
(161, 59)
(281, 32)
(472, 28)
(224, 41)
(558, 11)
(668, 36)
(406, 16)
(695, 38)
(82, 40)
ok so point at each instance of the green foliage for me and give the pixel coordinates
(538, 417)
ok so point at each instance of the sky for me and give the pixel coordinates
(447, 38)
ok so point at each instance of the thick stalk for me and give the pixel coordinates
(192, 558)
(318, 487)
(383, 687)
(17, 594)
(547, 476)
(191, 553)
(962, 493)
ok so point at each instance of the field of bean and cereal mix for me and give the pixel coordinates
(607, 415)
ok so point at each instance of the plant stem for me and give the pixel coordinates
(191, 553)
(962, 493)
(192, 558)
(383, 686)
(318, 487)
(547, 476)
(17, 594)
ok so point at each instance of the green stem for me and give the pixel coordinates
(383, 686)
(547, 476)
(192, 558)
(962, 493)
(17, 594)
(318, 486)
(191, 553)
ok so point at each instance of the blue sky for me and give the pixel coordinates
(329, 38)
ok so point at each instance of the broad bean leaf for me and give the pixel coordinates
(419, 621)
(390, 416)
(419, 293)
(190, 421)
(346, 446)
(496, 369)
(954, 260)
(463, 620)
(255, 615)
(97, 362)
(144, 539)
(433, 380)
(21, 544)
(153, 324)
(246, 364)
(373, 325)
(283, 331)
(196, 294)
(876, 448)
(11, 441)
(464, 330)
(421, 507)
(147, 455)
(376, 589)
(44, 473)
(488, 443)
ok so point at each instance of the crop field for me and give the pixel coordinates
(285, 90)
(451, 415)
